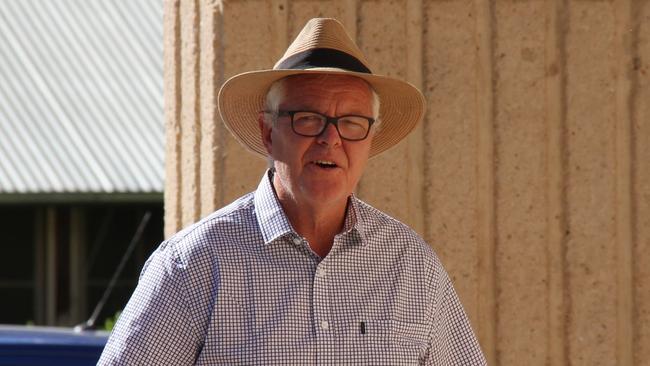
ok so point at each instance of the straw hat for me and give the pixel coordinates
(322, 47)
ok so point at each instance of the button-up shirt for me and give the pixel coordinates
(242, 287)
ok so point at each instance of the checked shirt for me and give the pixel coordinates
(242, 287)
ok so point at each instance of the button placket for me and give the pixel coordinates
(321, 272)
(322, 309)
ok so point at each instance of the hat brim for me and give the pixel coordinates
(243, 96)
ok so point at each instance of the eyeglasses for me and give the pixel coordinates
(310, 124)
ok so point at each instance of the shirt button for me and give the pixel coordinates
(321, 272)
(297, 241)
(324, 325)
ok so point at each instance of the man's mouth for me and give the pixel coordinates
(326, 164)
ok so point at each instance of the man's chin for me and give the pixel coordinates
(325, 195)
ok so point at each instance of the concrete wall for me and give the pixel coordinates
(530, 175)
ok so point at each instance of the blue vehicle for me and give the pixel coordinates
(36, 346)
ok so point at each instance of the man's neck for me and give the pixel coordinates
(315, 222)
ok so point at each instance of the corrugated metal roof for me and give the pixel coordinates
(81, 96)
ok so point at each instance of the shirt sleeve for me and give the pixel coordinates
(155, 327)
(453, 341)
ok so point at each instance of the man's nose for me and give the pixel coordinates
(330, 136)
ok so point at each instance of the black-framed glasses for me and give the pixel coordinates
(310, 124)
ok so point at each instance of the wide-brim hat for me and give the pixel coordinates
(322, 47)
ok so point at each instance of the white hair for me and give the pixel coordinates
(277, 92)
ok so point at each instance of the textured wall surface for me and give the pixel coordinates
(530, 175)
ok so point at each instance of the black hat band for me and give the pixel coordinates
(323, 57)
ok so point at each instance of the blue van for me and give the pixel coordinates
(36, 346)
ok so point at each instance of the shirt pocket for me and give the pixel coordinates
(409, 334)
(385, 342)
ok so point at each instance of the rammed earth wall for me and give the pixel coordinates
(530, 175)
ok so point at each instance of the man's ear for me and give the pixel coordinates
(265, 130)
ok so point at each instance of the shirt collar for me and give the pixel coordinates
(274, 224)
(354, 221)
(271, 219)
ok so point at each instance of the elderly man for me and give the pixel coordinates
(300, 271)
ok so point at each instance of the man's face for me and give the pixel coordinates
(300, 174)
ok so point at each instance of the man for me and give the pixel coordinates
(300, 271)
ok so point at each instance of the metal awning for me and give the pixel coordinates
(81, 98)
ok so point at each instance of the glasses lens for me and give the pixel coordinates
(313, 124)
(353, 127)
(308, 124)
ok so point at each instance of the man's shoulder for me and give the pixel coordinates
(382, 223)
(384, 229)
(230, 222)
